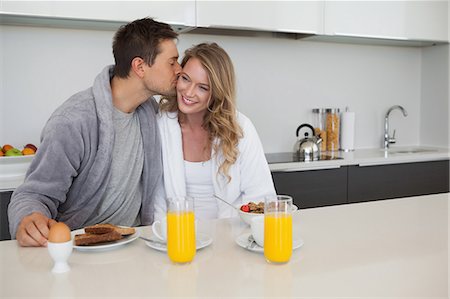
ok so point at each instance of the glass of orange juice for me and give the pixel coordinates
(278, 228)
(181, 246)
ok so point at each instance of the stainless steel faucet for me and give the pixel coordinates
(388, 139)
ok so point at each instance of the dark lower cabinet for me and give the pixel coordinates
(351, 184)
(5, 198)
(366, 183)
(313, 188)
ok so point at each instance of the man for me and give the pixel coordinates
(100, 153)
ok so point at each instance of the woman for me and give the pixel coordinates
(210, 149)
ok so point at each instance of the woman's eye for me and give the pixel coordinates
(184, 78)
(204, 88)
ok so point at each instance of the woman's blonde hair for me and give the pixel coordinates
(220, 118)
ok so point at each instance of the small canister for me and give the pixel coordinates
(332, 128)
(319, 124)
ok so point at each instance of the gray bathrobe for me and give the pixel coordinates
(71, 169)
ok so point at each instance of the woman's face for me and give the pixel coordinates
(193, 90)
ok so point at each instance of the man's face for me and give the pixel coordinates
(161, 77)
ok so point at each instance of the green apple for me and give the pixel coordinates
(13, 152)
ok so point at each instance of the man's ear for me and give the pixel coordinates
(138, 66)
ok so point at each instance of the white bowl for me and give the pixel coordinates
(13, 170)
(247, 217)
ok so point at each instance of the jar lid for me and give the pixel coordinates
(332, 110)
(318, 110)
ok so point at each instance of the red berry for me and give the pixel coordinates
(245, 208)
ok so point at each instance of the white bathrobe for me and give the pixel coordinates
(251, 179)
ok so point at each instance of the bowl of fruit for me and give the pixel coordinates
(250, 210)
(8, 150)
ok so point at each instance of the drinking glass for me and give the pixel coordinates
(181, 246)
(278, 228)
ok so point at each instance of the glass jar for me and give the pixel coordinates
(319, 124)
(332, 128)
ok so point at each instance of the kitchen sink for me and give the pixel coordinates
(414, 150)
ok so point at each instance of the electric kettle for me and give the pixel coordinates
(308, 148)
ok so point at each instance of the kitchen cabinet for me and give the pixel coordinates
(171, 12)
(414, 23)
(5, 197)
(366, 183)
(400, 20)
(276, 16)
(352, 184)
(313, 188)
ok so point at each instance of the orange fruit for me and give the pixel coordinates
(1, 153)
(28, 151)
(7, 147)
(32, 146)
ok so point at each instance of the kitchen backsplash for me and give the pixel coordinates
(279, 82)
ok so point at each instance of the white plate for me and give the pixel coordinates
(202, 241)
(105, 246)
(242, 241)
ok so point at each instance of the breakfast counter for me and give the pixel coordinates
(361, 157)
(391, 248)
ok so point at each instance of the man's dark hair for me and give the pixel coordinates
(140, 38)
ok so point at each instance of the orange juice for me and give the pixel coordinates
(278, 237)
(181, 236)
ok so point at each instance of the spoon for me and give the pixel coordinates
(251, 242)
(152, 241)
(223, 200)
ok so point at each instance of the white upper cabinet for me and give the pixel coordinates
(172, 12)
(277, 16)
(414, 20)
(401, 20)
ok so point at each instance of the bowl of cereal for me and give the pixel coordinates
(250, 210)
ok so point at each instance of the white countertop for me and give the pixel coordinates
(390, 248)
(368, 157)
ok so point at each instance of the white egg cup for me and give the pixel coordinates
(60, 253)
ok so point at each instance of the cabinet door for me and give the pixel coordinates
(279, 16)
(172, 12)
(5, 198)
(397, 180)
(414, 20)
(313, 188)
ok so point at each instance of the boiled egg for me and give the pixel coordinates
(59, 233)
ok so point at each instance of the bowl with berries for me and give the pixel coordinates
(251, 209)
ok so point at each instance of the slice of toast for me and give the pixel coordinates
(107, 227)
(125, 231)
(99, 229)
(90, 239)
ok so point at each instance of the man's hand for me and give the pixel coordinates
(33, 230)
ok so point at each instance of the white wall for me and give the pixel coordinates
(279, 81)
(2, 76)
(434, 128)
(41, 69)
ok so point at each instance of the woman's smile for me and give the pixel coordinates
(188, 101)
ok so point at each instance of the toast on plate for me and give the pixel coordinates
(101, 233)
(107, 227)
(90, 239)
